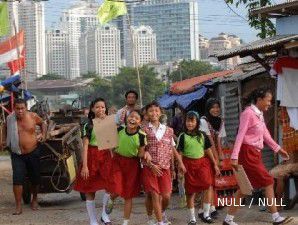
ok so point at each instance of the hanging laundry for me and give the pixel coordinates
(287, 82)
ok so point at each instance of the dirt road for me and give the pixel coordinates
(68, 209)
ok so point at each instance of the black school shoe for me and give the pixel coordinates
(208, 220)
(214, 215)
(105, 223)
(285, 221)
(192, 222)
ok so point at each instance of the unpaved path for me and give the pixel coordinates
(68, 209)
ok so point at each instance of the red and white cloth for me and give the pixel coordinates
(287, 82)
(160, 145)
(11, 49)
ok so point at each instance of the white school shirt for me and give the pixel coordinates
(205, 128)
(160, 131)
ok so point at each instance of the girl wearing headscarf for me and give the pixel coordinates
(213, 126)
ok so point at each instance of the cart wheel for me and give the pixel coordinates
(83, 196)
(26, 193)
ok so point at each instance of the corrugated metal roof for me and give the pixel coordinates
(51, 84)
(254, 70)
(277, 10)
(191, 84)
(259, 46)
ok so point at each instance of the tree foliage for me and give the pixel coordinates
(151, 86)
(90, 75)
(191, 68)
(264, 25)
(113, 90)
(51, 76)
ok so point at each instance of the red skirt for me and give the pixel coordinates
(251, 160)
(158, 184)
(198, 176)
(99, 165)
(126, 175)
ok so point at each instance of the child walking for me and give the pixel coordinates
(96, 167)
(252, 135)
(194, 146)
(213, 126)
(156, 175)
(132, 142)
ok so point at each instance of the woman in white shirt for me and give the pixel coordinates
(213, 126)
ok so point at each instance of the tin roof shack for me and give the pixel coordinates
(230, 87)
(59, 92)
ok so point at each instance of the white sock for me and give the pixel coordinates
(192, 215)
(125, 222)
(276, 217)
(104, 215)
(200, 211)
(212, 209)
(229, 218)
(90, 205)
(206, 208)
(160, 223)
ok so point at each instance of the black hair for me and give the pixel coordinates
(91, 116)
(20, 101)
(256, 94)
(215, 121)
(138, 112)
(153, 103)
(132, 92)
(193, 115)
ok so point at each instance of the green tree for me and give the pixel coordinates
(90, 75)
(264, 25)
(191, 68)
(51, 76)
(151, 86)
(99, 88)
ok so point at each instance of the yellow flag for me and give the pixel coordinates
(111, 9)
(4, 23)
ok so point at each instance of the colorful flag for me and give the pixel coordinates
(17, 65)
(4, 21)
(12, 48)
(111, 9)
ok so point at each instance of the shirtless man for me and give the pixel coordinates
(25, 156)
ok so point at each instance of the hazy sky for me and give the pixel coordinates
(214, 17)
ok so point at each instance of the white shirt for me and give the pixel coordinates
(205, 128)
(160, 131)
(258, 112)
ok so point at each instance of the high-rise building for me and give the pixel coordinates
(176, 25)
(57, 52)
(223, 42)
(31, 18)
(77, 20)
(102, 45)
(144, 40)
(204, 47)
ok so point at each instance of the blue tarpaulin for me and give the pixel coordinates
(168, 101)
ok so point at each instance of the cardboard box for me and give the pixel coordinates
(243, 181)
(106, 132)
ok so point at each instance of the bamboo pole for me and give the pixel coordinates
(135, 60)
